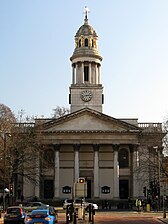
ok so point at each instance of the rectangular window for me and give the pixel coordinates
(86, 73)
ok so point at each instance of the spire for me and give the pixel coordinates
(86, 12)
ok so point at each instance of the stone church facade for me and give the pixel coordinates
(88, 143)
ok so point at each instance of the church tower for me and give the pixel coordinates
(86, 89)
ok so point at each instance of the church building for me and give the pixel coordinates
(87, 143)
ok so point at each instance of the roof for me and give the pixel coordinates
(86, 30)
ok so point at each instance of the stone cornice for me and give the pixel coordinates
(90, 131)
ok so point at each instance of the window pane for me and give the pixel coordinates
(123, 158)
(86, 73)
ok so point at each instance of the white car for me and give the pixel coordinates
(67, 202)
(95, 206)
(77, 203)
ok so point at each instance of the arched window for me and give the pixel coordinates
(123, 158)
(79, 43)
(92, 43)
(86, 42)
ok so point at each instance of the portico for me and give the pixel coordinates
(90, 153)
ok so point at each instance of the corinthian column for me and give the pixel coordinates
(134, 168)
(116, 172)
(76, 165)
(56, 171)
(96, 170)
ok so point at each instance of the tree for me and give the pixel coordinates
(7, 120)
(151, 170)
(60, 111)
(19, 150)
(24, 152)
(165, 139)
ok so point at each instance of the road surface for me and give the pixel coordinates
(121, 218)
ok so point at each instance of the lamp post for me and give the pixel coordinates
(5, 190)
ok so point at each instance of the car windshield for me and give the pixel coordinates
(13, 210)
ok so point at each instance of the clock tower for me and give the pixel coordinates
(86, 89)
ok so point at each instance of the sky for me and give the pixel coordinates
(37, 41)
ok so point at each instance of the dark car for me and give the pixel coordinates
(41, 216)
(15, 214)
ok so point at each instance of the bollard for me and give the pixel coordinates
(71, 210)
(67, 215)
(93, 213)
(164, 213)
(74, 221)
(90, 213)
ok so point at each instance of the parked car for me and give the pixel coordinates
(78, 202)
(94, 205)
(67, 202)
(15, 214)
(41, 216)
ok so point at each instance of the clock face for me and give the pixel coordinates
(86, 95)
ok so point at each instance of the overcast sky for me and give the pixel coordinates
(37, 40)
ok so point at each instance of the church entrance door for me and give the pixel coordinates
(124, 189)
(48, 189)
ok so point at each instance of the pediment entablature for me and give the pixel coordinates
(86, 120)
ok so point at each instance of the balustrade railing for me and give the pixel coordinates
(151, 127)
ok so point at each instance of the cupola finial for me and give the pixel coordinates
(86, 12)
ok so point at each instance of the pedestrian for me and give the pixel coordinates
(138, 204)
(143, 205)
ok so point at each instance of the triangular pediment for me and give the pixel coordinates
(88, 120)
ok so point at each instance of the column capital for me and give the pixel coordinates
(76, 147)
(115, 147)
(96, 147)
(57, 147)
(133, 147)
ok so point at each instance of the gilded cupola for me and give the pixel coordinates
(86, 40)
